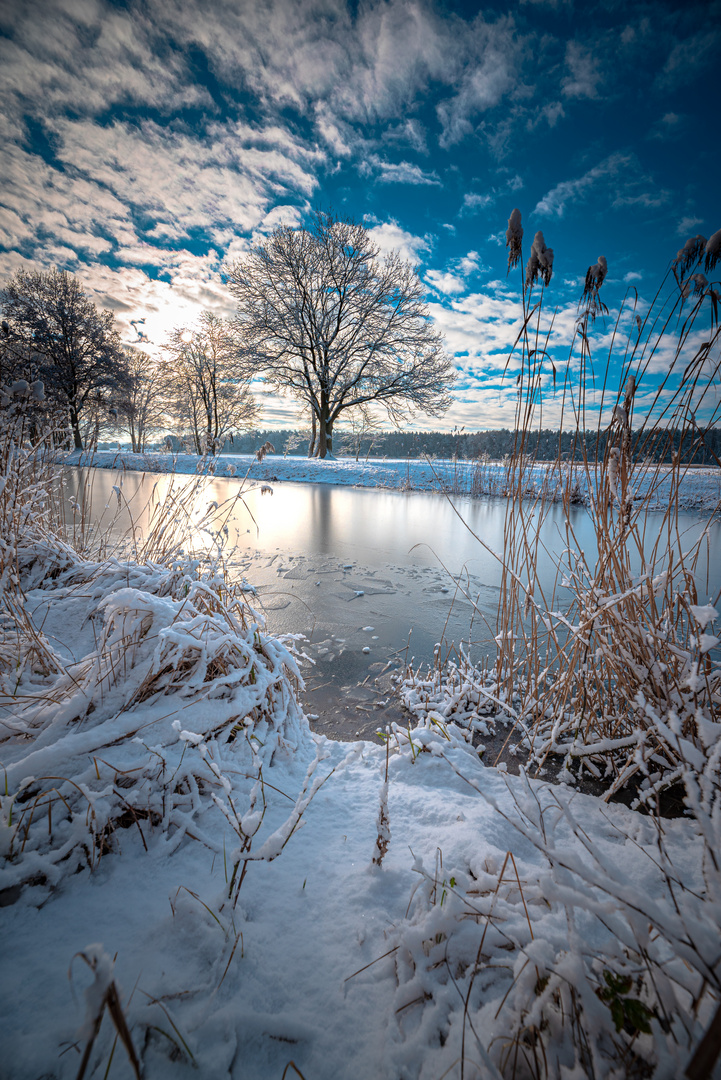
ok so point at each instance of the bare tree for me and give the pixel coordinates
(362, 426)
(143, 407)
(330, 322)
(207, 380)
(77, 346)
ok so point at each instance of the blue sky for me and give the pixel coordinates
(146, 143)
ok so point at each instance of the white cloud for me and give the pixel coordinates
(338, 136)
(280, 215)
(389, 236)
(473, 202)
(403, 172)
(690, 55)
(554, 203)
(649, 199)
(410, 132)
(469, 263)
(490, 59)
(687, 225)
(193, 285)
(87, 58)
(445, 282)
(669, 126)
(632, 275)
(551, 113)
(116, 175)
(584, 77)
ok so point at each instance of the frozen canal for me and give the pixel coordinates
(371, 577)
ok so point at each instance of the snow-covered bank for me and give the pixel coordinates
(701, 488)
(238, 898)
(167, 806)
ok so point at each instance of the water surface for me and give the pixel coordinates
(372, 578)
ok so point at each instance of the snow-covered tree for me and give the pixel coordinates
(206, 379)
(329, 321)
(76, 347)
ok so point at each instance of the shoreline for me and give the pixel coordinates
(463, 479)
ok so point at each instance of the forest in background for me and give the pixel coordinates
(703, 447)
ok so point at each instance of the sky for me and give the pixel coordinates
(146, 145)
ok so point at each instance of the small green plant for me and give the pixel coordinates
(629, 1013)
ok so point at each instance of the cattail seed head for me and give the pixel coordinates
(696, 284)
(595, 277)
(712, 251)
(614, 466)
(689, 254)
(514, 236)
(540, 263)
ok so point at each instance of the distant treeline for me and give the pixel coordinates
(659, 444)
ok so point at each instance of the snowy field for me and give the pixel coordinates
(701, 489)
(195, 885)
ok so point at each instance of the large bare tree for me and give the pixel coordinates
(78, 350)
(207, 380)
(329, 321)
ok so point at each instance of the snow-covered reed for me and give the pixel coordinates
(593, 962)
(616, 664)
(102, 660)
(614, 675)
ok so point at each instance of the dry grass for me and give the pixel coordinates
(611, 673)
(610, 666)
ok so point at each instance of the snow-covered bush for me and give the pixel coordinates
(96, 743)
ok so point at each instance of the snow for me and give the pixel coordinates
(259, 896)
(703, 614)
(235, 896)
(701, 488)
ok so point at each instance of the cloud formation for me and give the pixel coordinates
(146, 143)
(555, 202)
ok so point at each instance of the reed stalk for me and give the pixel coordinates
(605, 669)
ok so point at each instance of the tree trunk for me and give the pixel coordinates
(325, 428)
(322, 444)
(311, 444)
(75, 425)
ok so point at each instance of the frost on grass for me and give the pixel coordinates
(94, 745)
(583, 950)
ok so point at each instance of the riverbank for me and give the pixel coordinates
(234, 896)
(700, 490)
